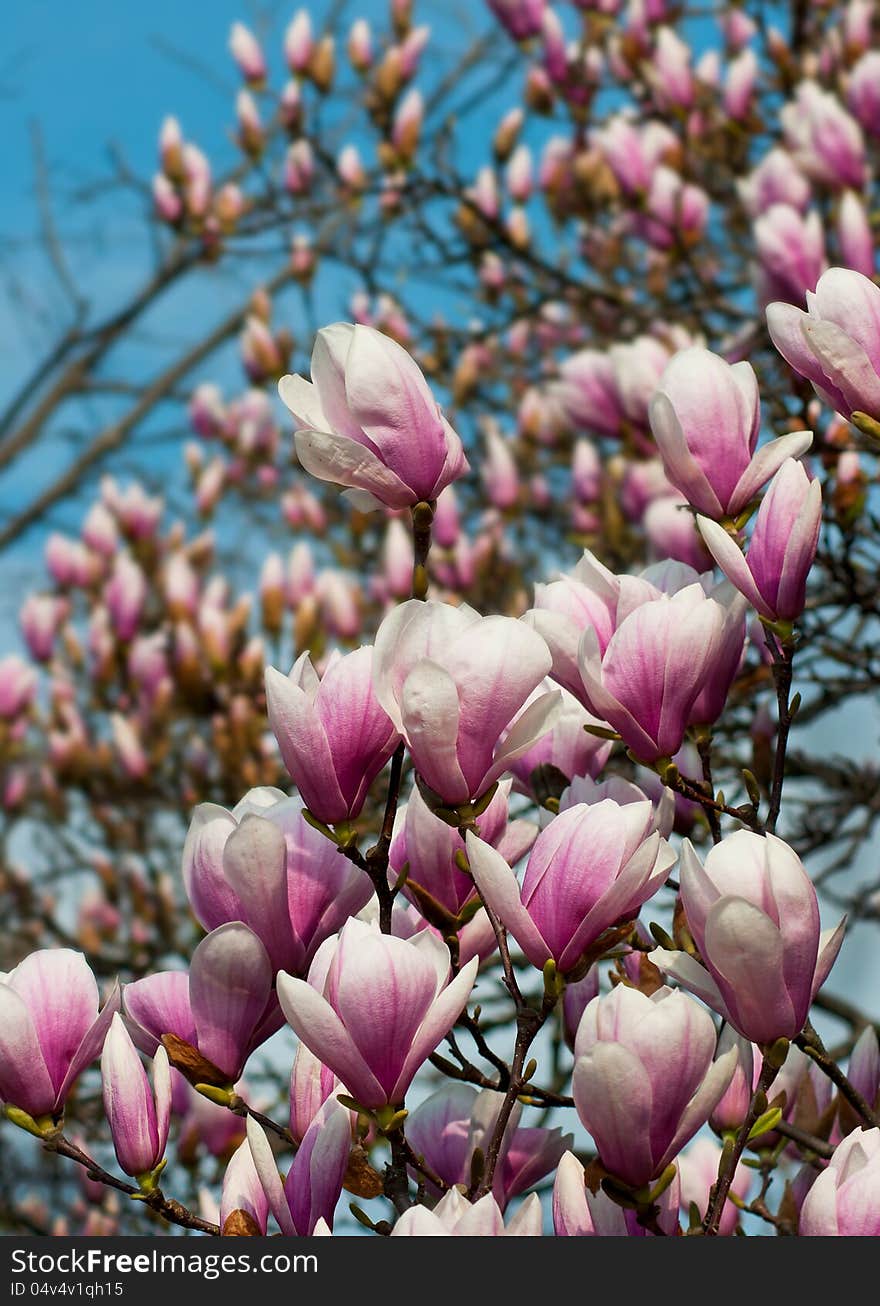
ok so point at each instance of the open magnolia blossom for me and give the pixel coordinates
(655, 666)
(754, 916)
(452, 683)
(646, 1077)
(367, 420)
(375, 1007)
(842, 1202)
(592, 867)
(773, 574)
(836, 343)
(706, 415)
(50, 1029)
(333, 735)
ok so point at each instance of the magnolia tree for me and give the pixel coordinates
(440, 802)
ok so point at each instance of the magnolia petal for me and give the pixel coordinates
(830, 943)
(604, 704)
(128, 1102)
(25, 1081)
(528, 1221)
(441, 1016)
(499, 889)
(729, 558)
(681, 466)
(270, 1180)
(538, 718)
(242, 1189)
(702, 1104)
(688, 972)
(92, 1042)
(159, 1004)
(314, 1021)
(846, 365)
(612, 1093)
(429, 709)
(345, 462)
(230, 980)
(302, 740)
(303, 400)
(255, 863)
(212, 900)
(766, 463)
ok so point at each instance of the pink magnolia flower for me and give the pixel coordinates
(753, 913)
(406, 124)
(671, 532)
(733, 1105)
(375, 1007)
(263, 864)
(654, 667)
(447, 1126)
(166, 199)
(299, 42)
(633, 151)
(586, 598)
(499, 471)
(645, 1078)
(669, 70)
(791, 253)
(50, 1029)
(368, 420)
(139, 1116)
(299, 167)
(224, 1007)
(592, 597)
(705, 417)
(455, 1216)
(739, 86)
(580, 1213)
(824, 139)
(843, 1202)
(314, 1180)
(334, 735)
(125, 595)
(676, 211)
(136, 512)
(836, 343)
(360, 45)
(587, 390)
(773, 574)
(452, 682)
(590, 868)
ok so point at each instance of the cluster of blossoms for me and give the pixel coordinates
(373, 958)
(468, 880)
